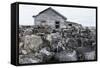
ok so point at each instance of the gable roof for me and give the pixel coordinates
(53, 11)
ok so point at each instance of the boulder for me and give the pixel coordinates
(32, 43)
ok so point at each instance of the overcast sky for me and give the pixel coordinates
(84, 16)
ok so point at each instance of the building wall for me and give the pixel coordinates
(50, 17)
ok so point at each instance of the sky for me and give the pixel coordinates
(84, 16)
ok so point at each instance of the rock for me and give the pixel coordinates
(46, 55)
(49, 37)
(90, 55)
(24, 52)
(57, 47)
(21, 44)
(34, 61)
(32, 42)
(53, 36)
(86, 52)
(65, 56)
(28, 31)
(21, 47)
(44, 51)
(29, 58)
(72, 43)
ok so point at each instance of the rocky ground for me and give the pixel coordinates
(38, 46)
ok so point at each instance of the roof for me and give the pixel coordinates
(72, 23)
(53, 11)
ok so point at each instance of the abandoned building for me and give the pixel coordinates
(54, 19)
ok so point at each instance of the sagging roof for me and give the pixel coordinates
(53, 11)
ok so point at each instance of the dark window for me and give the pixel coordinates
(70, 24)
(57, 24)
